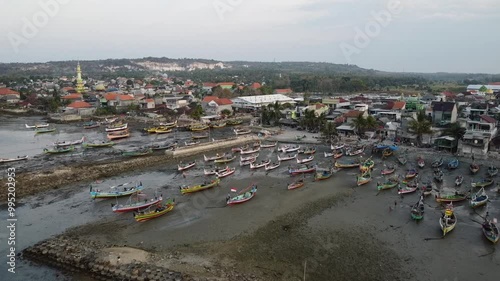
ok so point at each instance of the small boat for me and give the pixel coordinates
(118, 135)
(115, 192)
(152, 130)
(411, 173)
(218, 125)
(490, 230)
(363, 179)
(163, 130)
(239, 149)
(367, 165)
(459, 180)
(492, 171)
(36, 126)
(214, 171)
(427, 188)
(448, 220)
(90, 125)
(136, 206)
(18, 158)
(286, 158)
(349, 164)
(438, 175)
(192, 143)
(390, 183)
(116, 127)
(303, 170)
(337, 147)
(68, 143)
(226, 172)
(240, 132)
(387, 152)
(338, 154)
(45, 130)
(200, 127)
(328, 154)
(453, 164)
(437, 163)
(186, 166)
(288, 149)
(305, 160)
(457, 197)
(225, 159)
(483, 182)
(156, 212)
(234, 122)
(259, 165)
(479, 198)
(216, 157)
(243, 197)
(199, 136)
(388, 170)
(268, 145)
(169, 124)
(138, 153)
(417, 210)
(355, 152)
(324, 175)
(272, 166)
(245, 152)
(200, 187)
(296, 184)
(402, 159)
(407, 187)
(309, 151)
(58, 150)
(256, 144)
(98, 144)
(111, 120)
(250, 157)
(474, 168)
(421, 162)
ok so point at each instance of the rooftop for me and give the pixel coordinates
(79, 104)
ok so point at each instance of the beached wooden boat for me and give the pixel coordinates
(243, 197)
(355, 151)
(296, 184)
(240, 132)
(453, 164)
(91, 125)
(155, 211)
(324, 175)
(225, 173)
(490, 230)
(250, 151)
(118, 135)
(402, 159)
(482, 182)
(438, 175)
(191, 143)
(116, 127)
(427, 188)
(169, 124)
(234, 122)
(45, 130)
(199, 127)
(183, 167)
(417, 210)
(248, 161)
(272, 166)
(309, 151)
(259, 165)
(479, 198)
(363, 179)
(457, 197)
(302, 170)
(328, 154)
(225, 159)
(387, 152)
(287, 157)
(407, 187)
(58, 150)
(135, 206)
(111, 120)
(98, 144)
(214, 171)
(305, 160)
(348, 164)
(250, 157)
(367, 165)
(216, 157)
(389, 169)
(390, 183)
(138, 153)
(36, 126)
(164, 146)
(448, 220)
(218, 125)
(199, 136)
(163, 130)
(199, 187)
(270, 145)
(459, 180)
(337, 147)
(9, 160)
(411, 173)
(68, 143)
(437, 163)
(288, 149)
(421, 162)
(492, 171)
(116, 191)
(474, 168)
(338, 154)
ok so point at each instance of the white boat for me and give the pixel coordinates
(8, 160)
(272, 166)
(328, 154)
(248, 162)
(213, 172)
(249, 151)
(305, 160)
(68, 143)
(286, 158)
(226, 173)
(36, 126)
(191, 143)
(249, 157)
(242, 132)
(260, 165)
(185, 167)
(268, 145)
(111, 120)
(292, 149)
(216, 157)
(284, 148)
(117, 128)
(171, 124)
(336, 147)
(356, 152)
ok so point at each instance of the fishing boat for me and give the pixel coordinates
(421, 162)
(183, 167)
(138, 153)
(225, 173)
(390, 183)
(287, 157)
(309, 151)
(116, 127)
(250, 157)
(18, 158)
(36, 126)
(270, 145)
(218, 125)
(417, 210)
(256, 144)
(305, 160)
(199, 136)
(296, 184)
(363, 179)
(367, 165)
(482, 183)
(348, 164)
(492, 171)
(328, 154)
(234, 122)
(448, 220)
(118, 135)
(169, 124)
(157, 211)
(111, 120)
(45, 130)
(243, 197)
(459, 180)
(68, 143)
(302, 170)
(402, 159)
(199, 187)
(167, 146)
(214, 171)
(250, 151)
(457, 197)
(240, 132)
(438, 175)
(288, 149)
(453, 164)
(115, 191)
(474, 168)
(490, 230)
(407, 187)
(337, 147)
(191, 143)
(437, 163)
(199, 127)
(338, 154)
(388, 170)
(98, 144)
(427, 188)
(213, 158)
(163, 130)
(225, 160)
(135, 206)
(58, 150)
(272, 166)
(324, 175)
(354, 152)
(479, 198)
(90, 125)
(239, 149)
(387, 152)
(259, 165)
(411, 173)
(248, 162)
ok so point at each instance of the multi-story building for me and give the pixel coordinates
(478, 134)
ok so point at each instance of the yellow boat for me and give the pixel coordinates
(200, 187)
(199, 127)
(220, 125)
(163, 130)
(448, 220)
(154, 213)
(151, 130)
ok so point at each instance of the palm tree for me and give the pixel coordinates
(455, 130)
(329, 131)
(309, 119)
(359, 124)
(371, 123)
(420, 126)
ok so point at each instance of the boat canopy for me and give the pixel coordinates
(391, 147)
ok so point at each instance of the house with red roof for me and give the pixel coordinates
(207, 87)
(256, 86)
(81, 108)
(73, 97)
(115, 99)
(9, 96)
(353, 114)
(147, 103)
(213, 105)
(283, 91)
(396, 105)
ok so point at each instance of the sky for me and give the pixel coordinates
(389, 35)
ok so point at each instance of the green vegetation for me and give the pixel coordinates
(271, 114)
(454, 130)
(361, 124)
(420, 126)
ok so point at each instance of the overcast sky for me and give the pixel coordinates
(422, 35)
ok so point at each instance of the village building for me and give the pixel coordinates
(213, 105)
(256, 102)
(444, 112)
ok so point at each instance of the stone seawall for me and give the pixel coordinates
(215, 145)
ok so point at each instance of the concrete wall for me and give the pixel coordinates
(217, 145)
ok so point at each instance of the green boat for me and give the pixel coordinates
(97, 145)
(45, 130)
(234, 122)
(417, 211)
(390, 183)
(58, 150)
(137, 153)
(323, 176)
(483, 182)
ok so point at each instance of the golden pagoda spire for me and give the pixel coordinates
(79, 82)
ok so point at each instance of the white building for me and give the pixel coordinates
(254, 102)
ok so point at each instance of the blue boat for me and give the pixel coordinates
(453, 164)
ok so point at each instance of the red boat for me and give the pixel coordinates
(226, 173)
(135, 206)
